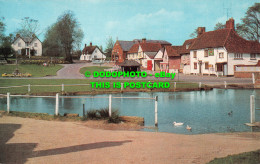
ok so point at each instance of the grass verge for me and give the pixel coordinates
(35, 70)
(243, 158)
(50, 90)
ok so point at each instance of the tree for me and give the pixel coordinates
(69, 33)
(219, 26)
(6, 46)
(51, 44)
(250, 26)
(29, 27)
(2, 29)
(109, 46)
(194, 34)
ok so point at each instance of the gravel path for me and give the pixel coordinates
(24, 140)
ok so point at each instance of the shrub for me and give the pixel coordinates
(103, 113)
(92, 114)
(115, 117)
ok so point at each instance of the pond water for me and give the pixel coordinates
(204, 111)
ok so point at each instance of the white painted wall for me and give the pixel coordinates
(90, 57)
(211, 59)
(245, 61)
(159, 55)
(37, 47)
(31, 45)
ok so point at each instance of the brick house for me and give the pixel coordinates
(218, 52)
(121, 48)
(168, 58)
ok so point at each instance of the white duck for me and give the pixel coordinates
(177, 123)
(188, 127)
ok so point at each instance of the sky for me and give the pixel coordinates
(170, 20)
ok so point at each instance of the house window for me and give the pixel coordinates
(195, 54)
(27, 44)
(195, 65)
(35, 52)
(221, 55)
(252, 56)
(206, 53)
(187, 46)
(19, 44)
(238, 56)
(206, 65)
(35, 44)
(19, 51)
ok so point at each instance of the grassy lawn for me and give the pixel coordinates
(244, 158)
(55, 89)
(35, 70)
(92, 69)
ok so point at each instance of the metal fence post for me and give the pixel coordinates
(199, 84)
(57, 104)
(156, 111)
(252, 109)
(110, 105)
(175, 85)
(225, 83)
(62, 87)
(8, 102)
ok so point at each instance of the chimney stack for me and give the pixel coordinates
(144, 40)
(201, 30)
(85, 45)
(230, 24)
(90, 44)
(17, 35)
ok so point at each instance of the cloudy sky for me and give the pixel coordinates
(170, 20)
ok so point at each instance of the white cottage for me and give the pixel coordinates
(144, 53)
(31, 45)
(92, 53)
(218, 52)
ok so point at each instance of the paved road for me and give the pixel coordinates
(71, 71)
(24, 140)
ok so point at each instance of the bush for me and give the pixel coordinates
(115, 117)
(92, 114)
(103, 113)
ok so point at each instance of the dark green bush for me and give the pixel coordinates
(103, 113)
(115, 117)
(92, 114)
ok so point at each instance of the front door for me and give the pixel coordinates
(149, 65)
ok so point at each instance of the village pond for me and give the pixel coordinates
(214, 111)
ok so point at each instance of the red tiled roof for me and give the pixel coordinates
(150, 47)
(89, 49)
(211, 39)
(171, 51)
(146, 47)
(227, 38)
(134, 48)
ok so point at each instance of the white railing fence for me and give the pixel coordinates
(57, 97)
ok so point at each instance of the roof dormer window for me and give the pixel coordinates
(187, 46)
